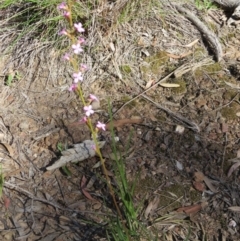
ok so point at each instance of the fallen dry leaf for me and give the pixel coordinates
(192, 43)
(199, 186)
(209, 184)
(234, 208)
(232, 85)
(234, 166)
(84, 189)
(179, 56)
(151, 206)
(98, 164)
(169, 85)
(149, 83)
(193, 209)
(7, 202)
(119, 123)
(9, 148)
(97, 205)
(198, 176)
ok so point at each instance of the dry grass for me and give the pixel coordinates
(120, 36)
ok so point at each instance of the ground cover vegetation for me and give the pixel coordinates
(117, 121)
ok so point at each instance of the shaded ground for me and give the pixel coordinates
(126, 55)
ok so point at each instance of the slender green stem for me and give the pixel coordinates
(80, 94)
(79, 91)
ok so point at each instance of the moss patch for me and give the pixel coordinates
(229, 112)
(181, 89)
(154, 64)
(125, 69)
(199, 53)
(171, 194)
(229, 94)
(210, 69)
(142, 186)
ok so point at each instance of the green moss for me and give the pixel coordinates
(231, 35)
(125, 69)
(170, 67)
(181, 89)
(199, 52)
(195, 196)
(169, 196)
(142, 186)
(154, 64)
(172, 193)
(212, 26)
(229, 94)
(212, 68)
(209, 69)
(125, 98)
(229, 112)
(221, 81)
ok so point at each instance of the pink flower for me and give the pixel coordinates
(101, 126)
(72, 87)
(79, 27)
(66, 56)
(77, 48)
(66, 14)
(83, 120)
(81, 40)
(63, 32)
(62, 6)
(83, 67)
(88, 109)
(77, 77)
(93, 97)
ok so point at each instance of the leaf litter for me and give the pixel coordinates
(41, 100)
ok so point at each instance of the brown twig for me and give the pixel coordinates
(208, 35)
(179, 117)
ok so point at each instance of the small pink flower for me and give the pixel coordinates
(83, 67)
(66, 14)
(83, 120)
(66, 56)
(63, 32)
(81, 40)
(88, 109)
(73, 87)
(94, 147)
(77, 49)
(77, 77)
(79, 27)
(93, 97)
(62, 6)
(101, 126)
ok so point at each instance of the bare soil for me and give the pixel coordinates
(181, 152)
